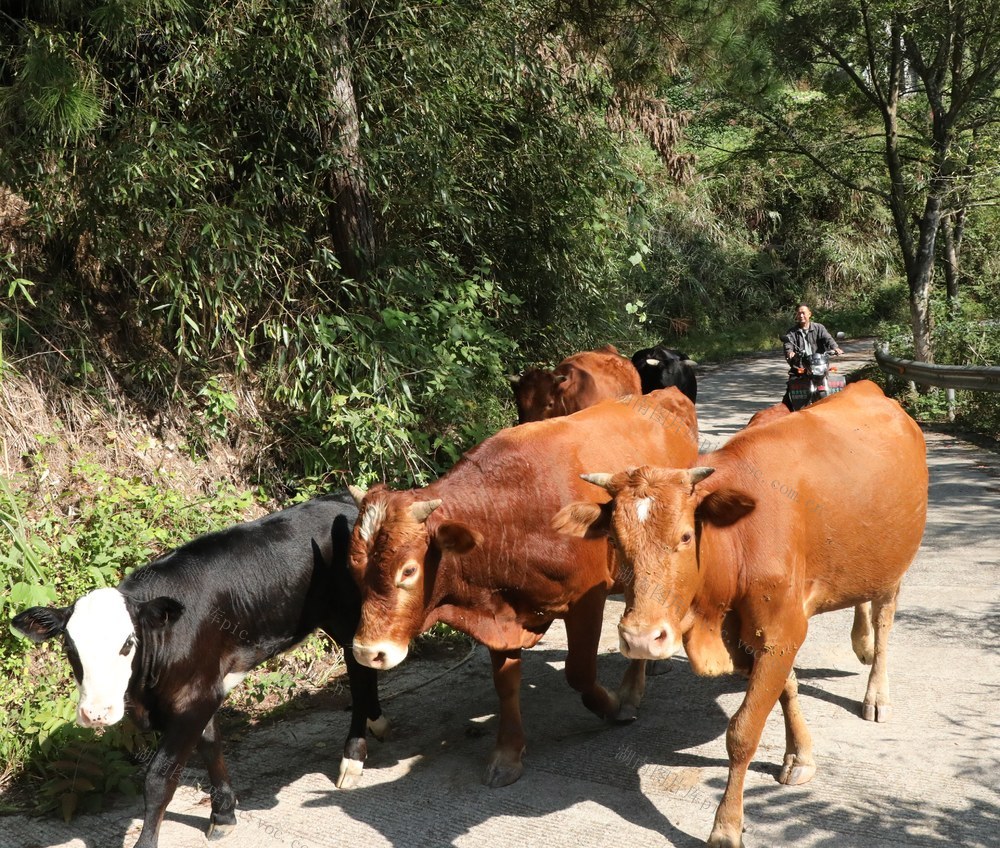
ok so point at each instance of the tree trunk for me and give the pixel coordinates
(921, 275)
(350, 218)
(951, 233)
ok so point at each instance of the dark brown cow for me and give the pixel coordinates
(475, 551)
(812, 512)
(534, 393)
(579, 381)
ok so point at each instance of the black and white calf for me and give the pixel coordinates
(662, 367)
(178, 634)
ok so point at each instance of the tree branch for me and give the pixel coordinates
(801, 149)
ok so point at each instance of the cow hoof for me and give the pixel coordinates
(501, 773)
(794, 773)
(866, 654)
(724, 839)
(350, 773)
(380, 727)
(876, 712)
(218, 831)
(626, 714)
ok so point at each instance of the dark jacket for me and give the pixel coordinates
(814, 340)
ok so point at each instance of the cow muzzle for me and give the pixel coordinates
(648, 643)
(93, 715)
(381, 655)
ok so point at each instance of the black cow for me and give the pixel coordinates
(661, 367)
(179, 633)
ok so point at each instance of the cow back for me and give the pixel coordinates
(839, 492)
(509, 487)
(253, 589)
(579, 381)
(593, 376)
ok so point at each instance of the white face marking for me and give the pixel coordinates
(99, 628)
(232, 680)
(642, 507)
(372, 520)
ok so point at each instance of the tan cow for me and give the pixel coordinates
(815, 511)
(475, 550)
(579, 381)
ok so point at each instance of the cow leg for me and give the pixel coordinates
(877, 706)
(505, 765)
(583, 633)
(167, 766)
(366, 714)
(223, 798)
(631, 690)
(799, 766)
(767, 682)
(862, 633)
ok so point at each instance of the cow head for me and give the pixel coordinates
(650, 520)
(661, 367)
(535, 393)
(101, 632)
(396, 549)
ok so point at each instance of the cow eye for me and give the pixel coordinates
(686, 538)
(129, 644)
(408, 572)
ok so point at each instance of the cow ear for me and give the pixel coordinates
(41, 623)
(160, 612)
(457, 537)
(724, 507)
(584, 520)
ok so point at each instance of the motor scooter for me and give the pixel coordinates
(812, 379)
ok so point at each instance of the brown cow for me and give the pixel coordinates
(534, 394)
(812, 512)
(475, 550)
(579, 381)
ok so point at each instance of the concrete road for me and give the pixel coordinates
(927, 778)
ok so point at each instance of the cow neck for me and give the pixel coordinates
(500, 631)
(476, 607)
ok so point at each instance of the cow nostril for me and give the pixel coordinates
(661, 636)
(379, 658)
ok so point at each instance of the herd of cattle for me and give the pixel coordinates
(599, 490)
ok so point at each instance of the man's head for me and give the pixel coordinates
(803, 314)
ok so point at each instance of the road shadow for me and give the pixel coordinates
(447, 741)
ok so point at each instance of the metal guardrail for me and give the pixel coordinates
(982, 379)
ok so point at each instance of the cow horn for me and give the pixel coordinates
(602, 480)
(421, 510)
(653, 362)
(357, 493)
(561, 378)
(514, 379)
(691, 362)
(696, 475)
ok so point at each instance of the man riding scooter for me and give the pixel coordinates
(807, 373)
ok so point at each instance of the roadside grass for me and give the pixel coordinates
(721, 343)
